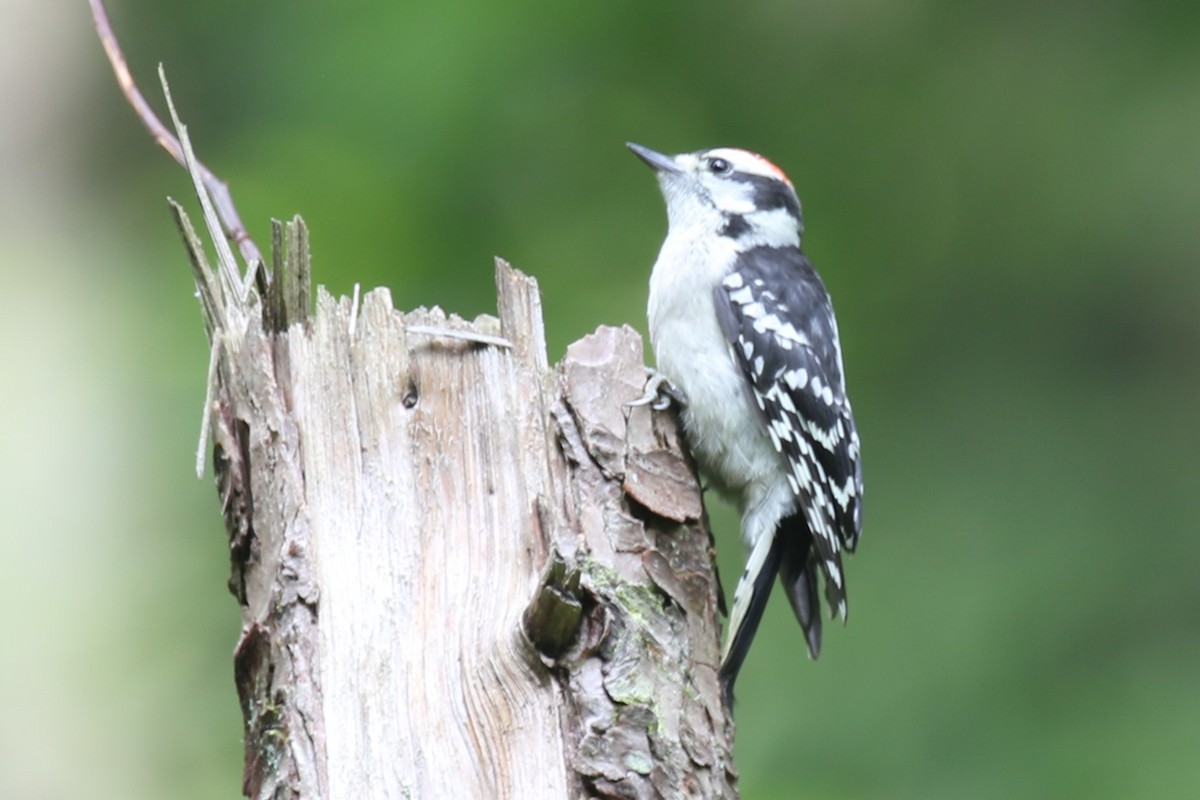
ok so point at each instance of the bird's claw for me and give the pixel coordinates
(659, 393)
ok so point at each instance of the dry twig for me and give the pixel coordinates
(231, 223)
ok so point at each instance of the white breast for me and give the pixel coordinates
(721, 419)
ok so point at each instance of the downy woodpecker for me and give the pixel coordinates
(746, 343)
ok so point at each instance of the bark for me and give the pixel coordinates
(462, 573)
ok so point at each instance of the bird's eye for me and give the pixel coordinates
(719, 166)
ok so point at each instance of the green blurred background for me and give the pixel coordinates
(1004, 200)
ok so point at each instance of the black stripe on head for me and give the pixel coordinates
(770, 193)
(735, 225)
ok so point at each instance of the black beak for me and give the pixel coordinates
(657, 161)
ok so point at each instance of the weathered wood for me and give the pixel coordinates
(462, 573)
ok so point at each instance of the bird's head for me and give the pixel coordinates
(729, 192)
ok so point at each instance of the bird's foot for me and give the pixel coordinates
(659, 393)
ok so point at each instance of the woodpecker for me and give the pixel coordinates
(746, 343)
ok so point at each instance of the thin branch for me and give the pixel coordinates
(231, 223)
(454, 333)
(228, 266)
(210, 390)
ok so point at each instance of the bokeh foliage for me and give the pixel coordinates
(1002, 198)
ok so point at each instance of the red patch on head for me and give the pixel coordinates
(774, 170)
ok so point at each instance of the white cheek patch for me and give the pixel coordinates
(774, 228)
(732, 197)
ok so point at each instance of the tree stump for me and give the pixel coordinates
(462, 573)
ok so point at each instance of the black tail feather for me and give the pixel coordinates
(798, 574)
(737, 649)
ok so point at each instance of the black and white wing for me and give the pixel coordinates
(779, 322)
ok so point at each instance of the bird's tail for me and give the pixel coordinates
(787, 552)
(749, 602)
(798, 574)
